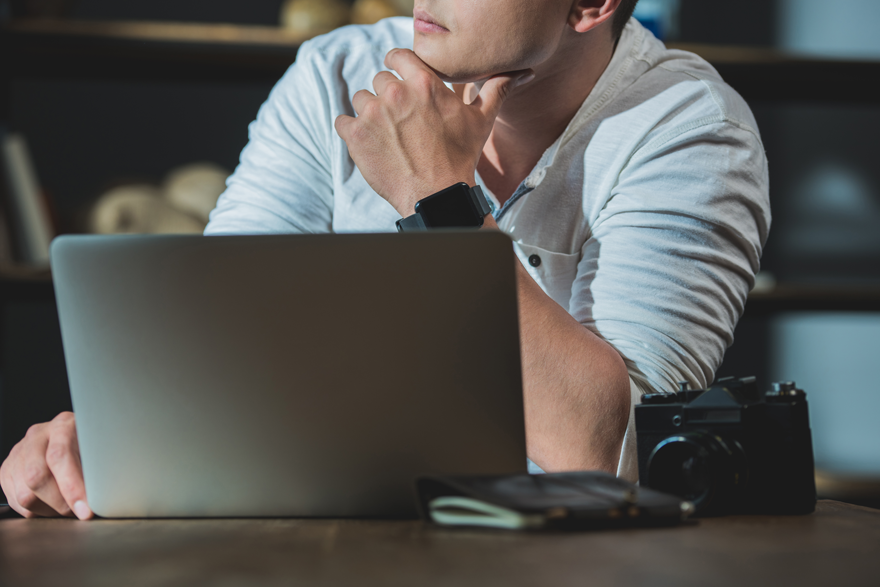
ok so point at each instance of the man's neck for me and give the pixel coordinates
(538, 112)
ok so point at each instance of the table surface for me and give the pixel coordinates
(837, 545)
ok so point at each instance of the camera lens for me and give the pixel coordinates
(701, 468)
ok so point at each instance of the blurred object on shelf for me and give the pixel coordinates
(194, 188)
(827, 195)
(181, 205)
(833, 354)
(372, 11)
(837, 209)
(28, 216)
(308, 18)
(403, 7)
(661, 17)
(851, 489)
(139, 209)
(849, 31)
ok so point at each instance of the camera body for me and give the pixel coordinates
(729, 448)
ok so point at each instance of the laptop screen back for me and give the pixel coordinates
(303, 375)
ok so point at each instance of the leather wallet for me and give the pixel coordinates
(565, 501)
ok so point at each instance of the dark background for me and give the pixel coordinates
(87, 135)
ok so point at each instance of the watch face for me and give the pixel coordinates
(451, 207)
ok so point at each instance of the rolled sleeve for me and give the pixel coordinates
(283, 183)
(665, 274)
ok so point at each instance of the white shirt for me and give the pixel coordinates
(649, 213)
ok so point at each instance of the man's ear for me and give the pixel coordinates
(586, 15)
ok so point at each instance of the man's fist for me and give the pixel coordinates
(415, 136)
(42, 476)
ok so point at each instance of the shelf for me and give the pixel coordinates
(19, 273)
(174, 32)
(767, 74)
(23, 284)
(790, 298)
(146, 51)
(217, 52)
(835, 486)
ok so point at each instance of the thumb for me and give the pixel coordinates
(498, 88)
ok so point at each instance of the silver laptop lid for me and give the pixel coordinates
(304, 375)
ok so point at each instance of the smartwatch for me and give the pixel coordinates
(458, 206)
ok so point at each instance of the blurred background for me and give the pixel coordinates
(126, 116)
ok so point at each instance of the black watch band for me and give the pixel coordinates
(481, 201)
(458, 206)
(411, 223)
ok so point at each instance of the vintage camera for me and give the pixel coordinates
(729, 448)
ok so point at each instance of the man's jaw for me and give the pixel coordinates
(426, 22)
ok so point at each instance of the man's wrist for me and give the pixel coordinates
(459, 205)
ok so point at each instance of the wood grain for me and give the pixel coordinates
(835, 546)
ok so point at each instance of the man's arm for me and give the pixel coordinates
(283, 183)
(576, 386)
(415, 137)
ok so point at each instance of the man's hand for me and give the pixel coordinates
(43, 474)
(415, 136)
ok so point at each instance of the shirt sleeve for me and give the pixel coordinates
(283, 183)
(671, 258)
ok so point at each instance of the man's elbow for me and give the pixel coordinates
(597, 408)
(611, 414)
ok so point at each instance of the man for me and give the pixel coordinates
(631, 179)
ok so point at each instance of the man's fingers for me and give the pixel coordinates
(35, 485)
(381, 81)
(496, 90)
(407, 64)
(29, 505)
(62, 457)
(360, 100)
(7, 483)
(343, 126)
(20, 497)
(42, 476)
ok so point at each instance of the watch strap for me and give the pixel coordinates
(481, 201)
(415, 222)
(410, 223)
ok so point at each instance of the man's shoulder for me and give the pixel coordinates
(689, 77)
(330, 68)
(359, 42)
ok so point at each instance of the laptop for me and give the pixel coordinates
(288, 375)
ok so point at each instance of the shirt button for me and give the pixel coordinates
(534, 260)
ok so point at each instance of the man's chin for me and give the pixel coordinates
(463, 79)
(460, 77)
(451, 72)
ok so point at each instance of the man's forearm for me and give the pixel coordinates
(576, 386)
(414, 137)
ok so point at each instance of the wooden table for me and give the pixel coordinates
(838, 545)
